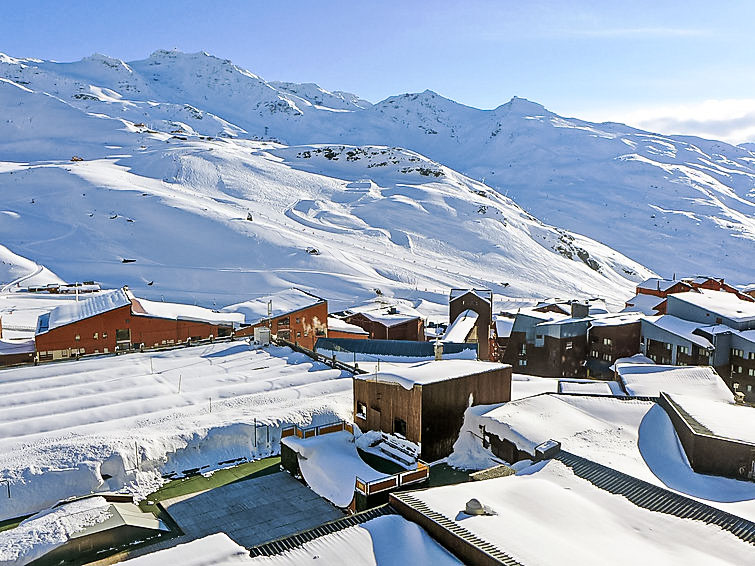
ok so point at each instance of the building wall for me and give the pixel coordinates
(302, 327)
(678, 287)
(711, 454)
(688, 311)
(386, 402)
(16, 359)
(624, 341)
(741, 367)
(484, 310)
(434, 412)
(413, 329)
(97, 334)
(343, 334)
(555, 358)
(444, 403)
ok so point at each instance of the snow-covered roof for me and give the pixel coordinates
(214, 550)
(643, 303)
(548, 515)
(636, 359)
(679, 327)
(616, 319)
(422, 373)
(722, 418)
(543, 316)
(658, 284)
(343, 326)
(641, 379)
(461, 327)
(179, 311)
(483, 294)
(388, 319)
(10, 347)
(49, 529)
(503, 326)
(585, 387)
(73, 311)
(284, 302)
(720, 302)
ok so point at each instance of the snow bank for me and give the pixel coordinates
(213, 550)
(330, 465)
(123, 422)
(572, 507)
(49, 529)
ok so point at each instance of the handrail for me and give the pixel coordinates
(407, 477)
(316, 430)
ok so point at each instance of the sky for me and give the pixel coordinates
(678, 67)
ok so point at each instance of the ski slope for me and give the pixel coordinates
(645, 194)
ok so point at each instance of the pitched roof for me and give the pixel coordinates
(283, 302)
(658, 284)
(73, 311)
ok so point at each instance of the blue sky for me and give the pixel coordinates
(686, 65)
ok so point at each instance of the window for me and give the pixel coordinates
(523, 349)
(106, 350)
(539, 341)
(682, 350)
(569, 345)
(736, 369)
(298, 334)
(667, 346)
(78, 337)
(522, 362)
(607, 357)
(594, 354)
(284, 334)
(751, 373)
(104, 335)
(607, 342)
(284, 322)
(737, 353)
(399, 427)
(361, 410)
(320, 332)
(94, 336)
(298, 320)
(749, 389)
(751, 356)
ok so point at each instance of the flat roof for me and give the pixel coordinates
(725, 419)
(547, 515)
(283, 302)
(679, 327)
(422, 373)
(720, 302)
(642, 379)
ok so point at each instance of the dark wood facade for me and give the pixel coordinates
(303, 326)
(557, 357)
(430, 414)
(412, 329)
(482, 328)
(609, 343)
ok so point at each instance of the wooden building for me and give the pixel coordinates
(292, 314)
(425, 402)
(610, 338)
(117, 321)
(338, 328)
(388, 324)
(471, 312)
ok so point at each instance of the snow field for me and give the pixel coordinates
(66, 427)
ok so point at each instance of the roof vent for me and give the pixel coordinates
(474, 507)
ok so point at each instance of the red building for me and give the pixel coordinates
(117, 321)
(338, 328)
(293, 315)
(388, 324)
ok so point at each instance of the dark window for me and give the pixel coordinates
(123, 335)
(320, 332)
(399, 427)
(284, 322)
(284, 334)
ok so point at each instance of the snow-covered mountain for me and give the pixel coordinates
(652, 197)
(175, 162)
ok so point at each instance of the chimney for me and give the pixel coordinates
(579, 310)
(438, 347)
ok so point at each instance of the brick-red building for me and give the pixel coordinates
(388, 324)
(338, 328)
(293, 315)
(117, 321)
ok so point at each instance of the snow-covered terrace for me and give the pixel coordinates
(64, 427)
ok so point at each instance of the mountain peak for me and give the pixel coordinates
(523, 105)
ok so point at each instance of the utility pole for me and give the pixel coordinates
(179, 382)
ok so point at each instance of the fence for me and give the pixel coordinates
(332, 362)
(316, 430)
(395, 481)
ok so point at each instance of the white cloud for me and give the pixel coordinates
(730, 120)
